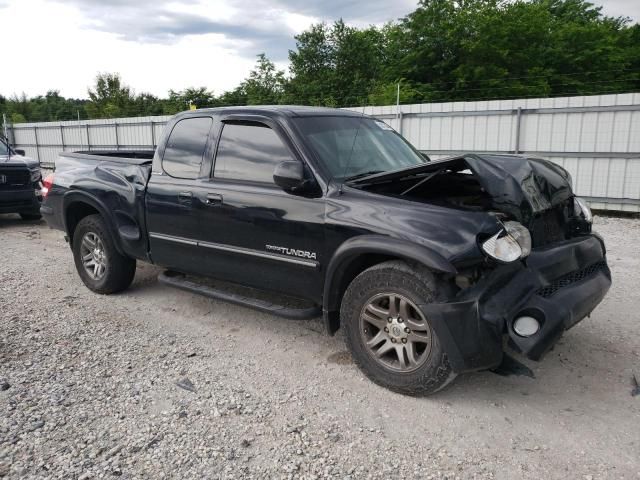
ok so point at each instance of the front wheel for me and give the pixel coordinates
(100, 266)
(390, 337)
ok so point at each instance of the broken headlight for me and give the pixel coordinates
(509, 244)
(581, 209)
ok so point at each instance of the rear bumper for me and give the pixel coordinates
(50, 211)
(19, 201)
(558, 285)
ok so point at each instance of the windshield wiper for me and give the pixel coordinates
(362, 175)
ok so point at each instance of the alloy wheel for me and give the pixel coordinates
(395, 332)
(94, 257)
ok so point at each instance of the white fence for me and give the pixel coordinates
(45, 140)
(596, 138)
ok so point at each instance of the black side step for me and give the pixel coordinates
(178, 280)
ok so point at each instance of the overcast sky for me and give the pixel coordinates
(161, 44)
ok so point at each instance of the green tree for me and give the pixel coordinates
(52, 106)
(110, 97)
(311, 66)
(478, 49)
(17, 118)
(178, 101)
(237, 96)
(336, 65)
(265, 85)
(147, 104)
(386, 93)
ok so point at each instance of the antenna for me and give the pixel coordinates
(353, 144)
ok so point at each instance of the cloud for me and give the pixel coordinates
(165, 22)
(622, 8)
(246, 26)
(371, 11)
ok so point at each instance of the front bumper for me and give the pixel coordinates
(24, 200)
(559, 285)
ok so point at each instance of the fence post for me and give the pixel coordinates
(62, 136)
(35, 136)
(86, 127)
(5, 127)
(518, 123)
(153, 134)
(10, 131)
(117, 139)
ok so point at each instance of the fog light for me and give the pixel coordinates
(526, 326)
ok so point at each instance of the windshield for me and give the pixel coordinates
(377, 147)
(3, 148)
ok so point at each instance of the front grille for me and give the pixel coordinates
(14, 177)
(571, 278)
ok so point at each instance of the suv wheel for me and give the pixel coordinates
(100, 266)
(389, 336)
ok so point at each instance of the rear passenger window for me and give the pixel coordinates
(249, 151)
(185, 147)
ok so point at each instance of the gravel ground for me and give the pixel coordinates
(159, 383)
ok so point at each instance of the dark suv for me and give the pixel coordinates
(20, 183)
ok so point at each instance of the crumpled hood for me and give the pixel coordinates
(519, 186)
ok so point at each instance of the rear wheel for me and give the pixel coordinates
(390, 337)
(100, 266)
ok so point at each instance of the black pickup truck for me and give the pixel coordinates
(427, 266)
(20, 183)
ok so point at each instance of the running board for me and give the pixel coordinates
(178, 280)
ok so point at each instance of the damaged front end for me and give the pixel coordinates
(541, 273)
(532, 301)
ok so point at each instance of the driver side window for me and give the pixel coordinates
(249, 151)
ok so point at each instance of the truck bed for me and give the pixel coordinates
(132, 157)
(113, 183)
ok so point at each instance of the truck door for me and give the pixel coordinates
(172, 200)
(256, 233)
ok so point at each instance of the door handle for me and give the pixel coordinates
(185, 197)
(213, 199)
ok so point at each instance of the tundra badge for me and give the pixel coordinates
(292, 251)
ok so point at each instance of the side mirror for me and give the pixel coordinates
(289, 175)
(19, 151)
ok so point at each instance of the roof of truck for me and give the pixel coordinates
(282, 110)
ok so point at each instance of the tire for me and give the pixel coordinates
(31, 216)
(115, 272)
(424, 368)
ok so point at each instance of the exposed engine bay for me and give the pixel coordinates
(532, 191)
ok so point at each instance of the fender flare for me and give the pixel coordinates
(355, 247)
(76, 196)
